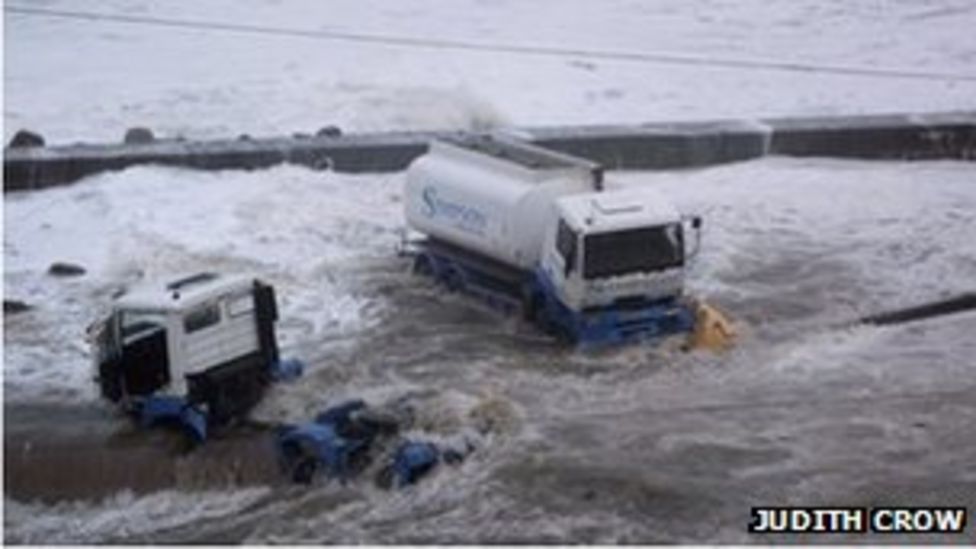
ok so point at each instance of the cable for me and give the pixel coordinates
(525, 49)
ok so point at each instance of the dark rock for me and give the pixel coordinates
(139, 136)
(329, 131)
(14, 306)
(300, 135)
(24, 139)
(65, 269)
(244, 137)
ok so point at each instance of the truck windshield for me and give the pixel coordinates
(635, 250)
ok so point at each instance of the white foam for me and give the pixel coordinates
(119, 516)
(307, 232)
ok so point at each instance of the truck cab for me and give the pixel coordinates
(608, 247)
(615, 262)
(206, 340)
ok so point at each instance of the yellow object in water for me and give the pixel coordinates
(713, 330)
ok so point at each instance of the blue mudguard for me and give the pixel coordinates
(308, 448)
(614, 325)
(341, 414)
(171, 409)
(653, 320)
(412, 461)
(286, 369)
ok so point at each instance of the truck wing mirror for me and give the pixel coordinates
(570, 259)
(695, 222)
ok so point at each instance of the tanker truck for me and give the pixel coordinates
(533, 230)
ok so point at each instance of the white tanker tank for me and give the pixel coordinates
(526, 226)
(486, 195)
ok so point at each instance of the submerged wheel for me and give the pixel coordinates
(228, 396)
(563, 334)
(452, 280)
(304, 471)
(540, 315)
(529, 304)
(299, 461)
(422, 266)
(541, 318)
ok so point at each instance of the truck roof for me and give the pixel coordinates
(182, 293)
(619, 210)
(517, 152)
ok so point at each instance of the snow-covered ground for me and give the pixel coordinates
(631, 445)
(89, 80)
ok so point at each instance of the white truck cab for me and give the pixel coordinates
(207, 339)
(602, 247)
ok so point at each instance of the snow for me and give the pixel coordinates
(89, 80)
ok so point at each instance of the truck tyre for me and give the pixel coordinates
(305, 470)
(452, 280)
(229, 394)
(545, 323)
(300, 461)
(528, 303)
(562, 334)
(422, 266)
(540, 315)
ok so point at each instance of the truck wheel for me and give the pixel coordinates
(546, 324)
(299, 461)
(563, 334)
(540, 316)
(453, 281)
(422, 266)
(304, 471)
(529, 304)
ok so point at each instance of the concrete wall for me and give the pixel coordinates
(642, 147)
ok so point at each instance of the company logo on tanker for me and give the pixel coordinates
(466, 218)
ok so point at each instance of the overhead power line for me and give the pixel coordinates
(523, 49)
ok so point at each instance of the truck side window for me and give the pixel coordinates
(201, 317)
(566, 243)
(240, 305)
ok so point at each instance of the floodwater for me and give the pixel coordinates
(642, 444)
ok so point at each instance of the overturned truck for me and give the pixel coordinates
(199, 350)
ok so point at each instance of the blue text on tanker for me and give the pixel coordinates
(464, 217)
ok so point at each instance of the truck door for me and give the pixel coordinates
(266, 313)
(561, 260)
(107, 356)
(144, 364)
